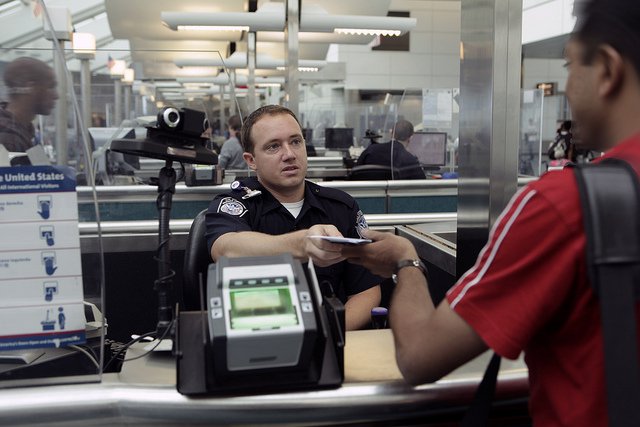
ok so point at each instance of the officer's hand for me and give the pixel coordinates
(382, 255)
(321, 252)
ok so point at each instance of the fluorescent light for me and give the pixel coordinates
(269, 17)
(211, 28)
(367, 32)
(324, 22)
(303, 69)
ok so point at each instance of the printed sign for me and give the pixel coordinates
(41, 298)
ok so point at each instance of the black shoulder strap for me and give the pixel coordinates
(611, 210)
(478, 413)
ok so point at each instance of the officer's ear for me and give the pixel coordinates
(248, 157)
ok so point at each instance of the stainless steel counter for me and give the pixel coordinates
(138, 193)
(435, 242)
(131, 236)
(144, 394)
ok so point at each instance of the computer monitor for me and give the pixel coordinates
(338, 138)
(430, 148)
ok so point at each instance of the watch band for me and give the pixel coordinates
(417, 263)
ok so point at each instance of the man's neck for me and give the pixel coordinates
(286, 195)
(404, 143)
(20, 115)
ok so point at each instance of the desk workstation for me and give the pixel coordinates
(373, 393)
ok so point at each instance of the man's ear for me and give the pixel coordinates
(248, 157)
(611, 70)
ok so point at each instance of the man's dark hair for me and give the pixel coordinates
(267, 110)
(25, 70)
(612, 22)
(235, 122)
(402, 130)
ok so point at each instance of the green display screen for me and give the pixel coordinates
(262, 308)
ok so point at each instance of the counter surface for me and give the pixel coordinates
(144, 394)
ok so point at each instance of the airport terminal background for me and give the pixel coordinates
(358, 90)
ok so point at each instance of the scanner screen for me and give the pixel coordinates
(262, 308)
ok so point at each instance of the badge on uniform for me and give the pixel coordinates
(231, 206)
(237, 186)
(361, 223)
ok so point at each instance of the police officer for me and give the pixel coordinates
(279, 210)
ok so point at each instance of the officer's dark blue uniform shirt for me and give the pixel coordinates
(265, 214)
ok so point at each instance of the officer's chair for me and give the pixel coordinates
(370, 172)
(196, 262)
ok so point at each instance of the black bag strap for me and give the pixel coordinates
(611, 210)
(478, 413)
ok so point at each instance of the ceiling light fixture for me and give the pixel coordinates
(239, 60)
(212, 28)
(356, 24)
(269, 17)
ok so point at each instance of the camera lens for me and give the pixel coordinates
(171, 117)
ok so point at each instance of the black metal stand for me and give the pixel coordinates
(168, 146)
(162, 286)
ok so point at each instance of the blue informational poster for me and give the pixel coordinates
(41, 296)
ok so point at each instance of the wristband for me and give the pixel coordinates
(417, 263)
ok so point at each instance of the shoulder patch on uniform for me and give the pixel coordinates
(361, 223)
(231, 206)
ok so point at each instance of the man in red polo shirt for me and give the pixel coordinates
(529, 291)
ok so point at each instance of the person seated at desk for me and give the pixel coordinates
(230, 156)
(31, 85)
(278, 211)
(404, 164)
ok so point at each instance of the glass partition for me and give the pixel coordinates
(530, 153)
(364, 133)
(52, 281)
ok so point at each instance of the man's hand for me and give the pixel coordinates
(382, 255)
(321, 252)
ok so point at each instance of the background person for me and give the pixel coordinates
(231, 153)
(31, 86)
(562, 150)
(404, 164)
(288, 210)
(529, 289)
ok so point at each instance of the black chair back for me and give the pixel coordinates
(196, 262)
(370, 172)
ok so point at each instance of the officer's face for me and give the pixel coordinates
(280, 156)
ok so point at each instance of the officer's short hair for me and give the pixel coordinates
(402, 130)
(248, 144)
(612, 22)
